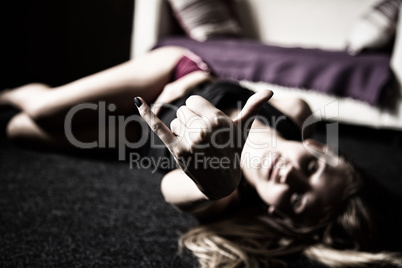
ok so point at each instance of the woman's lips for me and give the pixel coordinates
(273, 169)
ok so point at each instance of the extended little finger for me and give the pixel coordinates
(157, 126)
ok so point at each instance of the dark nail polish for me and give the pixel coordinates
(137, 102)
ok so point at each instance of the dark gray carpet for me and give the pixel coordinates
(59, 210)
(66, 210)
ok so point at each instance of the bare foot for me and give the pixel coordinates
(24, 96)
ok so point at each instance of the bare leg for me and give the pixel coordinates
(26, 132)
(20, 96)
(144, 76)
(44, 110)
(23, 129)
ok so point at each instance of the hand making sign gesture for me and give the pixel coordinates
(205, 142)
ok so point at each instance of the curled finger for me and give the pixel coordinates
(177, 127)
(185, 115)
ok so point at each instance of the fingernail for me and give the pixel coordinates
(137, 102)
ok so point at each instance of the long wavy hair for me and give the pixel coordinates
(343, 238)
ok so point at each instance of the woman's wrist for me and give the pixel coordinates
(195, 79)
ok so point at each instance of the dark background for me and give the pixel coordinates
(55, 42)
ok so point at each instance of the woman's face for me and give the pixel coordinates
(290, 179)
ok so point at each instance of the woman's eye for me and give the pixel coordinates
(296, 200)
(312, 166)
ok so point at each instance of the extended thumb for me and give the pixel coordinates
(253, 106)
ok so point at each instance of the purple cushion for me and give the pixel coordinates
(363, 77)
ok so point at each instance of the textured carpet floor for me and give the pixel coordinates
(63, 210)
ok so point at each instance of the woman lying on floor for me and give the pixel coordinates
(259, 191)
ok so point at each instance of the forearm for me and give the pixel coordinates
(180, 191)
(193, 79)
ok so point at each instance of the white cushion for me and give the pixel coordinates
(333, 108)
(309, 23)
(396, 60)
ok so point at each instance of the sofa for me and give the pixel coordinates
(290, 24)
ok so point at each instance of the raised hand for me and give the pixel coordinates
(205, 142)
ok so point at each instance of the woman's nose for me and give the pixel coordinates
(292, 176)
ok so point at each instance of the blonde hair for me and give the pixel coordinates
(236, 242)
(252, 240)
(251, 243)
